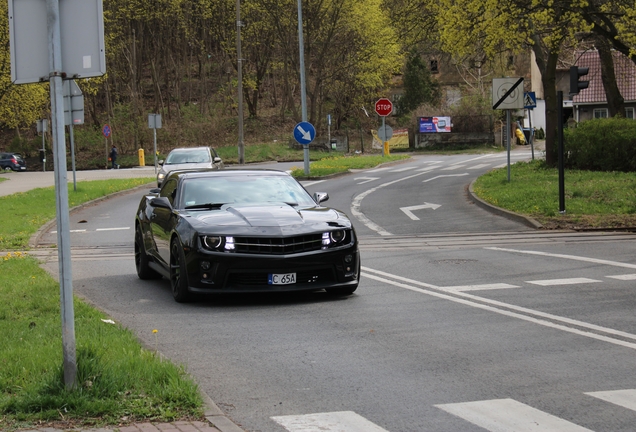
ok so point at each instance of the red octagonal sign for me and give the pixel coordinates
(383, 107)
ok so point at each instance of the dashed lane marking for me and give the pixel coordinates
(569, 281)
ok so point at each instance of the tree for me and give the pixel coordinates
(20, 105)
(496, 26)
(419, 86)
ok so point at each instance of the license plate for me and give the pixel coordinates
(282, 278)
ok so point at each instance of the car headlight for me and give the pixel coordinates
(335, 238)
(161, 176)
(217, 243)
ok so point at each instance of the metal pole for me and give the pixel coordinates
(70, 133)
(61, 189)
(560, 145)
(43, 146)
(303, 89)
(531, 137)
(329, 131)
(154, 132)
(239, 66)
(508, 129)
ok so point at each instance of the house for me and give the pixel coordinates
(591, 102)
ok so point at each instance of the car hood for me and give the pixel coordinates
(267, 219)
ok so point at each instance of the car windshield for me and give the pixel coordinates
(211, 192)
(189, 156)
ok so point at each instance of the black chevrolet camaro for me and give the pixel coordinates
(239, 231)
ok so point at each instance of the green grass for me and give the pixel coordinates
(592, 199)
(25, 212)
(270, 152)
(117, 378)
(340, 164)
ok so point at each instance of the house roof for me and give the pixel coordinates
(624, 69)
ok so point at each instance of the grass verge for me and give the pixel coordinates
(340, 164)
(592, 199)
(270, 152)
(118, 380)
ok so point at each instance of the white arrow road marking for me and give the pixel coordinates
(407, 210)
(509, 415)
(340, 421)
(452, 167)
(355, 205)
(445, 175)
(306, 135)
(366, 179)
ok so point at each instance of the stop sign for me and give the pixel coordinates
(383, 107)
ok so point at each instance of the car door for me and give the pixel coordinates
(162, 221)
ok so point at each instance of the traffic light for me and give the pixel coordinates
(576, 85)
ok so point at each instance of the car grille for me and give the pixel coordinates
(304, 277)
(278, 245)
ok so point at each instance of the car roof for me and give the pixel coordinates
(232, 172)
(188, 149)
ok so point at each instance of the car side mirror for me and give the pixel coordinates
(217, 159)
(160, 162)
(161, 202)
(155, 190)
(320, 197)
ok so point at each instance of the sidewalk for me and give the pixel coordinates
(25, 181)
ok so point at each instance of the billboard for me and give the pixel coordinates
(435, 124)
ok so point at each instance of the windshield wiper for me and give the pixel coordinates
(205, 206)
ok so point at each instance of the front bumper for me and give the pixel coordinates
(242, 273)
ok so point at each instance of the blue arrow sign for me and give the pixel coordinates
(304, 133)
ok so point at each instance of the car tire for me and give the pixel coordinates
(8, 168)
(178, 273)
(141, 259)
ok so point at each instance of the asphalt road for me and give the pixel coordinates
(462, 321)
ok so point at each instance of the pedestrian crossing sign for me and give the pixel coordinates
(529, 100)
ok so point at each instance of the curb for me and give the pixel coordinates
(528, 221)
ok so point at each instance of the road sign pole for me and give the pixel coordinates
(508, 130)
(303, 89)
(61, 189)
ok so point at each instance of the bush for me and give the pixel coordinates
(602, 145)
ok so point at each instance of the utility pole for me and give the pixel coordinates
(239, 66)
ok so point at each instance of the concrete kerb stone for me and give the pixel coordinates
(528, 221)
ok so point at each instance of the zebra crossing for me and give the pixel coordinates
(493, 415)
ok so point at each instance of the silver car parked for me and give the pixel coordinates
(189, 158)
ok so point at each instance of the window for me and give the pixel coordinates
(629, 113)
(600, 113)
